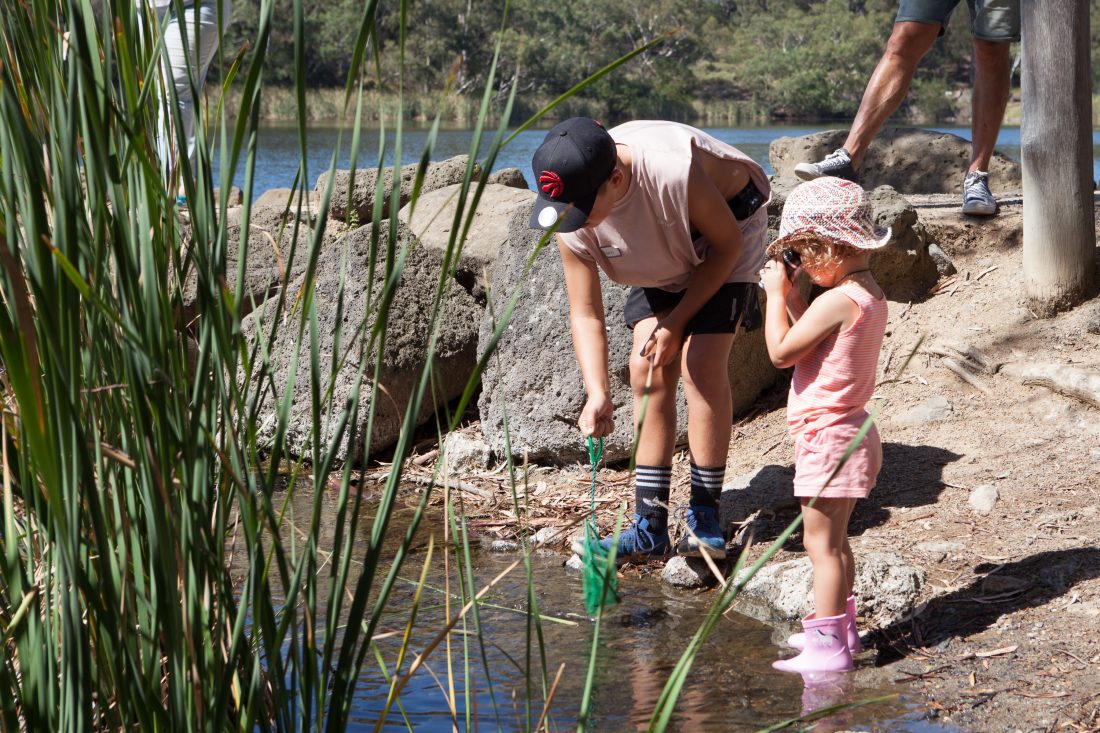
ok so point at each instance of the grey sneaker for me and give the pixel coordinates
(837, 164)
(977, 199)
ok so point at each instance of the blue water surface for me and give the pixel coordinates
(277, 158)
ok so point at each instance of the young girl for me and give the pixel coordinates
(833, 345)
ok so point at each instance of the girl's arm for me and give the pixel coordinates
(587, 326)
(787, 344)
(796, 304)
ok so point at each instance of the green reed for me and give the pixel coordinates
(153, 572)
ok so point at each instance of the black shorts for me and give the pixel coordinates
(735, 304)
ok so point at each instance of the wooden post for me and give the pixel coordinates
(1056, 151)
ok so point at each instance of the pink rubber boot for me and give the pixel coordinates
(798, 641)
(826, 647)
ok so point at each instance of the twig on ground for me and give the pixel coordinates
(965, 375)
(1076, 383)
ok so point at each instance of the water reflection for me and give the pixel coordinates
(731, 687)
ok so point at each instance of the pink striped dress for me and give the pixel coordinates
(825, 408)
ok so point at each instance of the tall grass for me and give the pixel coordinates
(153, 574)
(132, 467)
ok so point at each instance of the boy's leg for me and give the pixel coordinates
(824, 536)
(658, 437)
(653, 458)
(707, 389)
(710, 411)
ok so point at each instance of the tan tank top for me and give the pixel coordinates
(646, 239)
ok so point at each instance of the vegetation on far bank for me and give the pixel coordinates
(723, 61)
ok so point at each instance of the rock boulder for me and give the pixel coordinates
(534, 375)
(403, 356)
(887, 588)
(432, 221)
(909, 159)
(355, 199)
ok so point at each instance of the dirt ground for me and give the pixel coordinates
(1009, 635)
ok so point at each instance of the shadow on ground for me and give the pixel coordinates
(1002, 589)
(911, 476)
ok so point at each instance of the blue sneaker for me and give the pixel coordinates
(705, 535)
(635, 542)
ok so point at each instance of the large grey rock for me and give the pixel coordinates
(508, 177)
(534, 375)
(286, 200)
(272, 237)
(904, 269)
(362, 189)
(687, 572)
(887, 589)
(432, 220)
(908, 159)
(403, 356)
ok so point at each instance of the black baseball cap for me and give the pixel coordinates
(574, 160)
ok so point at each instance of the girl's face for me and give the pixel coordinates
(820, 262)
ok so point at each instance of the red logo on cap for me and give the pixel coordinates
(551, 184)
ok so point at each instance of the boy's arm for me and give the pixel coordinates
(710, 214)
(587, 326)
(787, 344)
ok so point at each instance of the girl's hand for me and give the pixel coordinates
(663, 344)
(774, 278)
(597, 419)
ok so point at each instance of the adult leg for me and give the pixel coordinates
(654, 392)
(992, 69)
(188, 55)
(888, 85)
(825, 536)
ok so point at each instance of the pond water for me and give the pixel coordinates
(277, 155)
(732, 686)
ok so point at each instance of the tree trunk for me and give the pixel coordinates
(1056, 151)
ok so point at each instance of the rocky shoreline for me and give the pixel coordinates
(977, 553)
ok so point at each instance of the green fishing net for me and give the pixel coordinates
(598, 576)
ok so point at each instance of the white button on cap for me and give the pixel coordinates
(548, 216)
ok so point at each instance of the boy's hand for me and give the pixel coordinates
(774, 278)
(597, 419)
(663, 344)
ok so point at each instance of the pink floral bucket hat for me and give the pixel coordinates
(829, 208)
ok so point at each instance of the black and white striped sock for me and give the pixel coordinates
(651, 485)
(706, 485)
